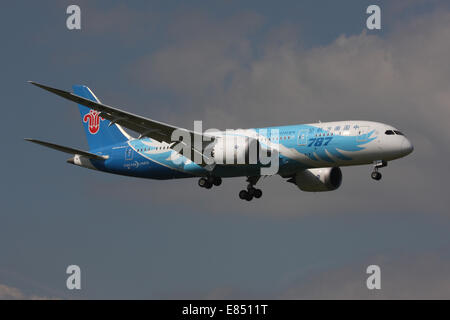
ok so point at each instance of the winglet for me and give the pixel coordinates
(58, 92)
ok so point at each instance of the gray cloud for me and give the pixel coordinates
(232, 70)
(200, 56)
(120, 21)
(423, 276)
(12, 293)
(351, 75)
(229, 78)
(403, 276)
(398, 78)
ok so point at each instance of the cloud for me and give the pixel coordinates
(402, 6)
(11, 293)
(238, 72)
(212, 66)
(122, 22)
(423, 276)
(403, 276)
(202, 53)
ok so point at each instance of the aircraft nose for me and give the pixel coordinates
(407, 146)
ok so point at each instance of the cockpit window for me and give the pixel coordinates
(398, 132)
(389, 132)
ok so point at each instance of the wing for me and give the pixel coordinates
(145, 127)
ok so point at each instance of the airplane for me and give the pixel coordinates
(307, 155)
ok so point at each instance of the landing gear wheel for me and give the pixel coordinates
(217, 181)
(202, 182)
(376, 175)
(243, 194)
(251, 191)
(257, 193)
(208, 185)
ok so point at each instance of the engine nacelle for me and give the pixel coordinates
(319, 179)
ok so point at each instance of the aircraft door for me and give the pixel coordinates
(302, 137)
(362, 133)
(128, 153)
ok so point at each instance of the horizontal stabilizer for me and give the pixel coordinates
(68, 150)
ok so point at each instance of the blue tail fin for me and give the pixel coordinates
(98, 132)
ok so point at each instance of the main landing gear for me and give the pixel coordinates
(251, 191)
(208, 182)
(377, 165)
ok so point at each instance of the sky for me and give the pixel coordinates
(232, 64)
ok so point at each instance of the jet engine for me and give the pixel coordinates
(318, 179)
(235, 150)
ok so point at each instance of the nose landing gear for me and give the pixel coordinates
(376, 175)
(377, 165)
(251, 191)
